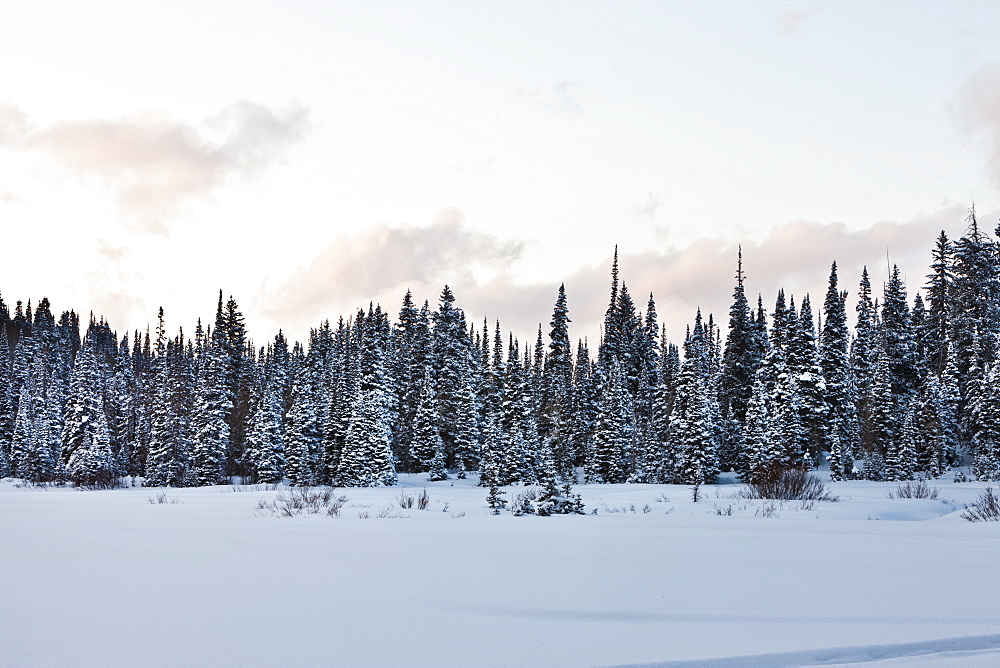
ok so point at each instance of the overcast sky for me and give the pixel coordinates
(307, 157)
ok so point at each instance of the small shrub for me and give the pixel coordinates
(986, 509)
(769, 509)
(727, 511)
(389, 513)
(163, 498)
(784, 484)
(305, 501)
(405, 500)
(918, 489)
(363, 515)
(522, 503)
(662, 498)
(423, 500)
(646, 509)
(260, 487)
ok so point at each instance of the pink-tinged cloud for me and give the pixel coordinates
(380, 264)
(156, 164)
(977, 107)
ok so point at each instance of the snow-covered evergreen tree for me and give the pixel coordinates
(212, 405)
(426, 446)
(86, 441)
(607, 461)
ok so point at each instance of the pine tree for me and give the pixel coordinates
(455, 395)
(555, 406)
(938, 319)
(426, 446)
(86, 442)
(366, 459)
(584, 408)
(835, 366)
(169, 459)
(345, 378)
(901, 459)
(864, 353)
(265, 452)
(761, 450)
(814, 416)
(7, 407)
(739, 363)
(975, 298)
(884, 426)
(898, 340)
(691, 431)
(212, 405)
(303, 434)
(986, 436)
(612, 433)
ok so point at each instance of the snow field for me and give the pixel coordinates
(108, 578)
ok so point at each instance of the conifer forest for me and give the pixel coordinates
(907, 386)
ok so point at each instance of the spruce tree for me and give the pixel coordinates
(212, 405)
(607, 460)
(938, 320)
(835, 366)
(455, 395)
(169, 459)
(555, 405)
(864, 354)
(691, 431)
(986, 435)
(86, 442)
(738, 359)
(761, 451)
(265, 452)
(426, 446)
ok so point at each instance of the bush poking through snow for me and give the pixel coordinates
(986, 509)
(259, 487)
(786, 484)
(163, 498)
(305, 501)
(388, 513)
(768, 510)
(405, 500)
(918, 489)
(726, 512)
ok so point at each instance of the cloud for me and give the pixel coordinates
(381, 263)
(977, 107)
(791, 20)
(154, 163)
(562, 97)
(795, 256)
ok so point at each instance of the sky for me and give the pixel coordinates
(310, 157)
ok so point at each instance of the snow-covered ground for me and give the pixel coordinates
(109, 578)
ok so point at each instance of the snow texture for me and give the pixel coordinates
(105, 578)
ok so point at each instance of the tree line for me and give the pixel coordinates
(909, 391)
